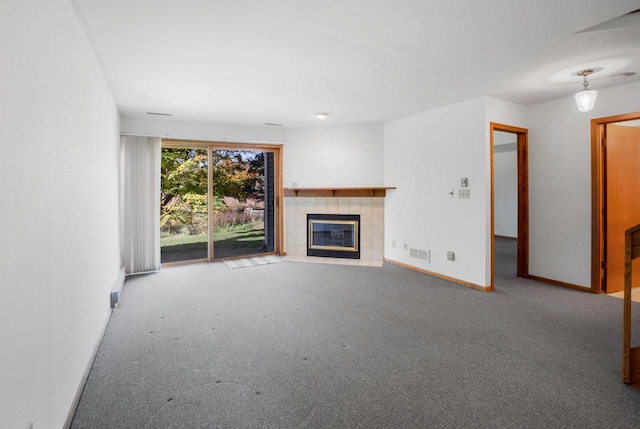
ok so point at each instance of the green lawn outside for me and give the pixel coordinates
(243, 233)
(176, 240)
(238, 233)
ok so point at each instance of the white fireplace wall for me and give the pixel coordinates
(371, 211)
(340, 157)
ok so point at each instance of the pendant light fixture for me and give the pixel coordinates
(587, 97)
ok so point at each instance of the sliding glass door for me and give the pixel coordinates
(218, 201)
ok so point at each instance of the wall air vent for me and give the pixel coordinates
(424, 255)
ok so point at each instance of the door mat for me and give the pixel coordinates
(253, 262)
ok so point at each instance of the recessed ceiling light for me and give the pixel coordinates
(159, 114)
(273, 125)
(321, 115)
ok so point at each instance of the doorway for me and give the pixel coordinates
(521, 229)
(615, 153)
(219, 201)
(505, 185)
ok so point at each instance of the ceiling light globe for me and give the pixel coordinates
(586, 100)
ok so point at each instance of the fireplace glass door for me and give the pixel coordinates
(334, 236)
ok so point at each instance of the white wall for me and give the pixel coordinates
(425, 156)
(348, 156)
(170, 128)
(60, 247)
(345, 156)
(560, 182)
(505, 166)
(506, 193)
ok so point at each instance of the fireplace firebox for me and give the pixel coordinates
(333, 235)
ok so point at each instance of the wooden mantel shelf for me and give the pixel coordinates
(337, 192)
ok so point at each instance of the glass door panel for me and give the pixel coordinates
(243, 193)
(183, 205)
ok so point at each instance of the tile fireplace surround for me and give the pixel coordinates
(370, 209)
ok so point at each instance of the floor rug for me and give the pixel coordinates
(253, 262)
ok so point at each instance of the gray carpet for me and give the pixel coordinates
(331, 346)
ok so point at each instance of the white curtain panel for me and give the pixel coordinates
(141, 203)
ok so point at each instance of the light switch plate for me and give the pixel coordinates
(464, 182)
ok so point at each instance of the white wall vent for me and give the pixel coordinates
(424, 255)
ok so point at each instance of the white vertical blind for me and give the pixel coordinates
(141, 203)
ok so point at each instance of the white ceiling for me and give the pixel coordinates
(281, 61)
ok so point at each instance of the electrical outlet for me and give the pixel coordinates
(464, 193)
(451, 256)
(405, 246)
